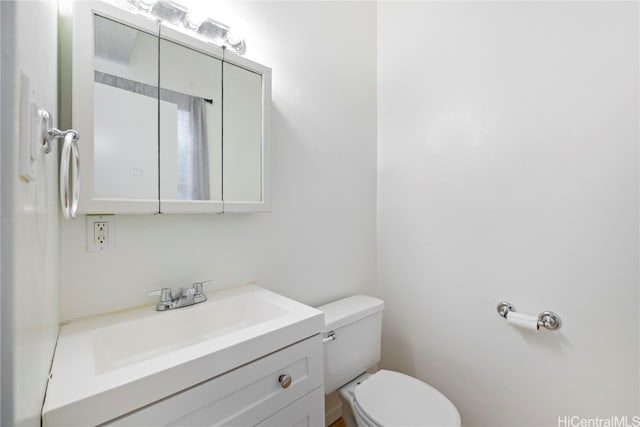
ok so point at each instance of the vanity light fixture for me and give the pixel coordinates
(177, 14)
(209, 28)
(142, 5)
(169, 11)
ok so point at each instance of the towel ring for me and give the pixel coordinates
(69, 175)
(69, 163)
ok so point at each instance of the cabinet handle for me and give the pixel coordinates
(285, 381)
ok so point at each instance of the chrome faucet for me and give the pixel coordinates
(182, 298)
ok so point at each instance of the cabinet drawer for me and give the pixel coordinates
(243, 396)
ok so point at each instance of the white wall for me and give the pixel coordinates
(318, 243)
(508, 170)
(30, 234)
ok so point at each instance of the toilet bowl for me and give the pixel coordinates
(352, 334)
(388, 398)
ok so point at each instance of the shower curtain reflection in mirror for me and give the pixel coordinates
(192, 153)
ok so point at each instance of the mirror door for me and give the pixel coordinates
(242, 123)
(245, 143)
(190, 128)
(125, 112)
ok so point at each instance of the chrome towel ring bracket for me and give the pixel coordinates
(69, 163)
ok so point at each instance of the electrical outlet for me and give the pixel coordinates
(100, 232)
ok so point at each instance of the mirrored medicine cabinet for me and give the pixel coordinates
(169, 123)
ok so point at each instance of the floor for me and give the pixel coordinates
(339, 423)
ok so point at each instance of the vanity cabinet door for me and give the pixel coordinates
(304, 412)
(244, 396)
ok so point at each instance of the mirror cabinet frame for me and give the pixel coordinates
(76, 84)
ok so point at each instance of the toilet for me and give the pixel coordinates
(352, 335)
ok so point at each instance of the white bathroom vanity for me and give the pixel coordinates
(247, 356)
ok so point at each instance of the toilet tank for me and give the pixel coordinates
(356, 322)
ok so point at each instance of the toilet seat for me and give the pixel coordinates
(389, 398)
(359, 413)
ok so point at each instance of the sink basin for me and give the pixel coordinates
(106, 366)
(133, 341)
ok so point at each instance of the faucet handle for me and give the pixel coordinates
(199, 286)
(165, 294)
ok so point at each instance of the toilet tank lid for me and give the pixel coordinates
(350, 309)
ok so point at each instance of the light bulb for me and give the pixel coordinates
(236, 43)
(169, 11)
(212, 29)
